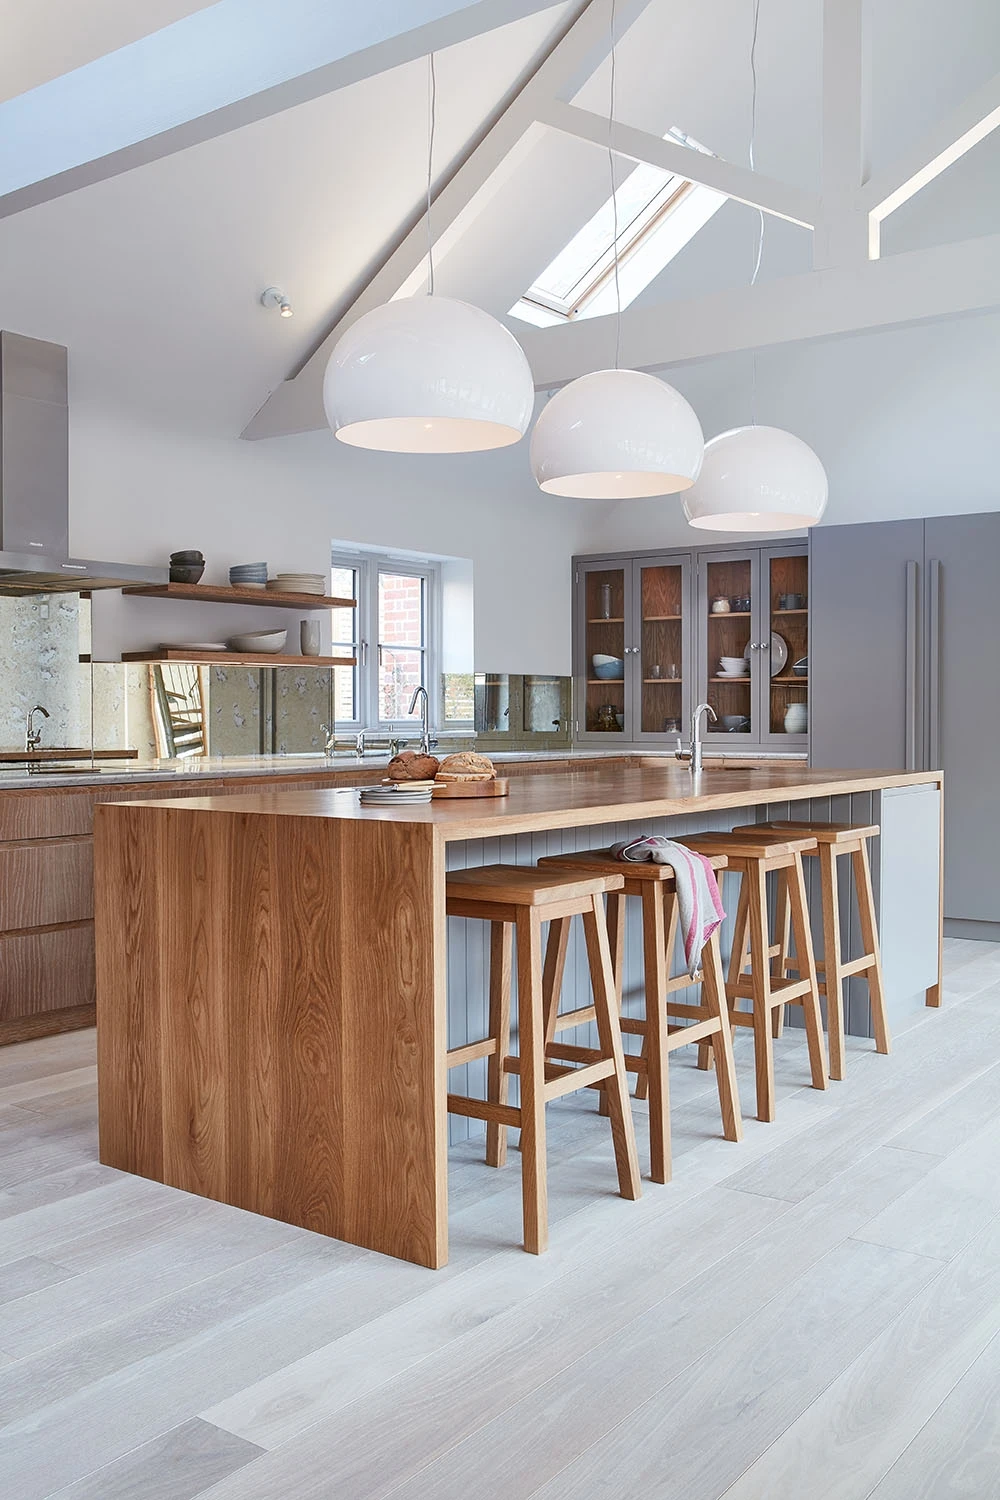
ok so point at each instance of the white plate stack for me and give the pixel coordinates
(395, 794)
(298, 583)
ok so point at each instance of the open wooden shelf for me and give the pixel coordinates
(237, 658)
(211, 593)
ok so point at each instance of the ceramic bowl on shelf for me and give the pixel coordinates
(801, 667)
(186, 572)
(267, 642)
(186, 559)
(608, 668)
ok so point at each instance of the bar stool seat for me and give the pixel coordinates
(834, 840)
(753, 858)
(706, 1023)
(520, 898)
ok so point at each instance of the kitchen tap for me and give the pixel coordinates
(694, 754)
(33, 736)
(420, 693)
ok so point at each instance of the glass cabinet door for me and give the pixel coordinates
(787, 613)
(661, 698)
(605, 598)
(732, 662)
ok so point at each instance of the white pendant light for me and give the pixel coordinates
(428, 375)
(757, 479)
(616, 435)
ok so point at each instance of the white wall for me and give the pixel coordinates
(138, 494)
(905, 422)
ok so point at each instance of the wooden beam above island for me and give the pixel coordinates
(272, 977)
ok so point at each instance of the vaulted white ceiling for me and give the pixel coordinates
(152, 277)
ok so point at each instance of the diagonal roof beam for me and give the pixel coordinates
(777, 198)
(232, 63)
(919, 286)
(949, 140)
(297, 404)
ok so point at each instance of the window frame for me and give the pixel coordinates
(368, 568)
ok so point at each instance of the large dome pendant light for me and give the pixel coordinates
(616, 434)
(757, 478)
(428, 374)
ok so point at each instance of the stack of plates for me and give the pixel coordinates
(394, 795)
(298, 583)
(248, 575)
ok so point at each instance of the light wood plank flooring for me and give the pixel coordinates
(815, 1313)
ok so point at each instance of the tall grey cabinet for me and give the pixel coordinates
(905, 672)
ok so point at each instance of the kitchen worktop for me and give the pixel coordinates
(273, 971)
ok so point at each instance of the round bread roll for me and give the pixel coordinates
(410, 765)
(467, 766)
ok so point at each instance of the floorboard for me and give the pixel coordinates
(815, 1311)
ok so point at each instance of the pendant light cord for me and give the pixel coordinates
(432, 126)
(614, 192)
(759, 248)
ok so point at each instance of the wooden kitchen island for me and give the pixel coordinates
(273, 970)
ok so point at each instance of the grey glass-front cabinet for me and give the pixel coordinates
(655, 634)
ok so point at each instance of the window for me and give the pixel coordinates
(658, 213)
(393, 632)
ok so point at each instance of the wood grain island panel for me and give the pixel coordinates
(272, 984)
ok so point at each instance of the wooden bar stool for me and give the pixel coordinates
(832, 841)
(753, 859)
(709, 1021)
(512, 897)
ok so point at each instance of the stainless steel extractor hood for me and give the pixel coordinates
(34, 479)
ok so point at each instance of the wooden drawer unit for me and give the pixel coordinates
(44, 882)
(42, 972)
(62, 812)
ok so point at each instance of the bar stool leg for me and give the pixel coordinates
(497, 1077)
(714, 991)
(602, 981)
(531, 1046)
(806, 964)
(782, 928)
(833, 980)
(869, 936)
(616, 939)
(553, 972)
(667, 946)
(655, 1040)
(755, 885)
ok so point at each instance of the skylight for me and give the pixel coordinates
(658, 213)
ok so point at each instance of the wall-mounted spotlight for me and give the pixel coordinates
(273, 296)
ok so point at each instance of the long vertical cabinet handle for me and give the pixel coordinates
(934, 665)
(912, 663)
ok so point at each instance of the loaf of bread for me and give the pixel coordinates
(467, 766)
(410, 765)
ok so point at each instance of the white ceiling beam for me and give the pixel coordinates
(297, 404)
(919, 286)
(229, 65)
(949, 140)
(841, 236)
(777, 198)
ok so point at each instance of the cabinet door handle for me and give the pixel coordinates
(934, 665)
(912, 613)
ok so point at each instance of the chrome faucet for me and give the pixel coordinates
(420, 693)
(33, 736)
(694, 754)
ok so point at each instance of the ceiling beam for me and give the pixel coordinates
(229, 65)
(919, 286)
(777, 198)
(842, 232)
(949, 140)
(297, 404)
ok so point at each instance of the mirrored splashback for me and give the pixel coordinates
(514, 711)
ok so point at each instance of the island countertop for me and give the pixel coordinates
(273, 974)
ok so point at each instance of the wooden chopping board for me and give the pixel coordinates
(498, 788)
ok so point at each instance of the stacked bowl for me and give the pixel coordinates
(298, 583)
(186, 567)
(248, 575)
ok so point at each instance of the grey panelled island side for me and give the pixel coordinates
(273, 971)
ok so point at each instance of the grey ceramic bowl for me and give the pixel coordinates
(187, 559)
(179, 574)
(268, 641)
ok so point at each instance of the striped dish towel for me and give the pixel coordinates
(701, 910)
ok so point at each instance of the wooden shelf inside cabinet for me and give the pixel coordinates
(207, 593)
(789, 611)
(609, 620)
(788, 681)
(605, 682)
(674, 681)
(729, 614)
(238, 658)
(655, 619)
(747, 679)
